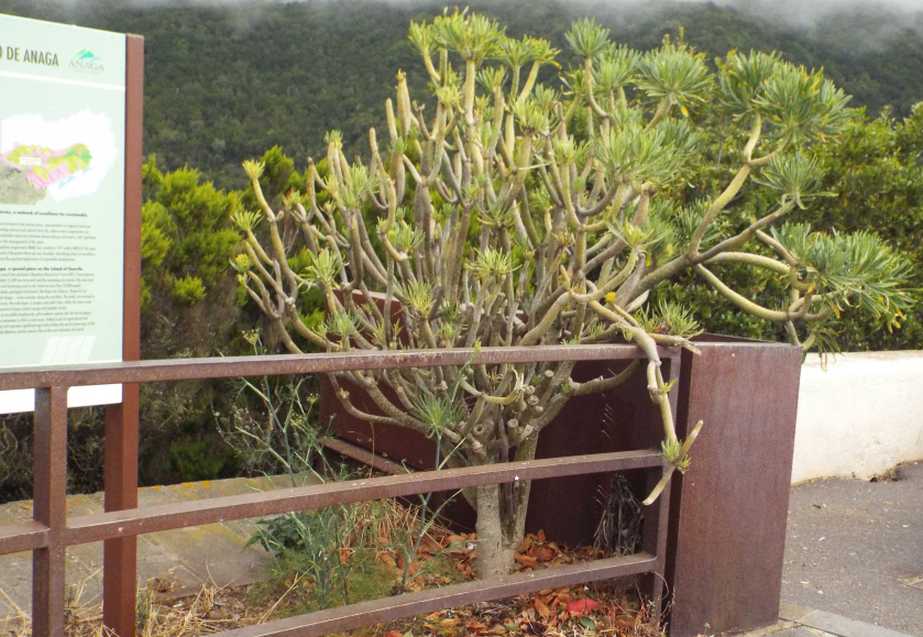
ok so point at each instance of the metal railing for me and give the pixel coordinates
(51, 531)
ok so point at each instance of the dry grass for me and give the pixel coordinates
(211, 610)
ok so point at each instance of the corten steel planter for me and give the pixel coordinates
(727, 526)
(728, 513)
(569, 509)
(566, 509)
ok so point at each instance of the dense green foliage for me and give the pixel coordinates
(190, 307)
(185, 239)
(225, 84)
(874, 182)
(876, 174)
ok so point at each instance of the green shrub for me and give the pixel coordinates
(188, 289)
(874, 183)
(876, 175)
(199, 458)
(191, 307)
(334, 547)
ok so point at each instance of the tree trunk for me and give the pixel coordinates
(495, 551)
(501, 519)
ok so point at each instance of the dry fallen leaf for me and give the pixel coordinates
(580, 607)
(387, 559)
(544, 553)
(542, 608)
(527, 561)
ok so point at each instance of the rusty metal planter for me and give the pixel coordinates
(616, 420)
(727, 527)
(727, 534)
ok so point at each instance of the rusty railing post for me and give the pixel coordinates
(49, 507)
(120, 473)
(120, 555)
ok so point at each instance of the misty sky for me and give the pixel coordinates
(806, 6)
(793, 13)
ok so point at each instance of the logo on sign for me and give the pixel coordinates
(86, 60)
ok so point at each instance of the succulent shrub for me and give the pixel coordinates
(519, 203)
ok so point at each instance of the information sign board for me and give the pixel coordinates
(62, 200)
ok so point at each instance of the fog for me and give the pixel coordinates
(885, 16)
(788, 10)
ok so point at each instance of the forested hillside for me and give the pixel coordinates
(224, 84)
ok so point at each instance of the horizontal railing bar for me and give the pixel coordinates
(390, 609)
(114, 524)
(279, 365)
(26, 536)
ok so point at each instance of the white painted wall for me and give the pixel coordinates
(860, 416)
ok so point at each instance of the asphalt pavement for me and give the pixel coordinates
(855, 548)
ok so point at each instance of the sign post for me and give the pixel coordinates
(70, 233)
(120, 472)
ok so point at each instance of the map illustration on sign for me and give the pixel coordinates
(55, 160)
